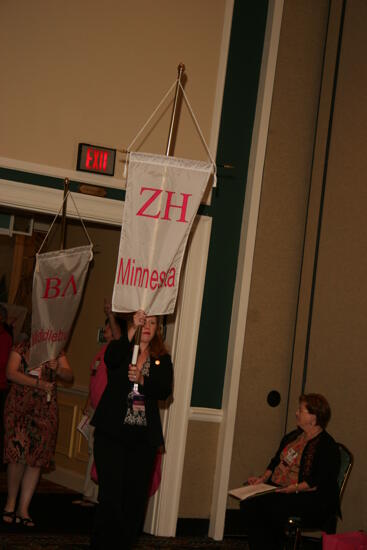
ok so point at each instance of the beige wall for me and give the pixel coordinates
(337, 352)
(91, 72)
(268, 348)
(267, 355)
(197, 480)
(278, 316)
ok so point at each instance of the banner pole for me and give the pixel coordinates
(63, 217)
(169, 148)
(180, 70)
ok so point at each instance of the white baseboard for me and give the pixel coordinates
(203, 414)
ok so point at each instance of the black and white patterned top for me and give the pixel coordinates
(135, 413)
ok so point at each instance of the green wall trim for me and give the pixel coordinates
(52, 182)
(58, 183)
(238, 113)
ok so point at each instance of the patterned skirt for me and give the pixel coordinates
(30, 424)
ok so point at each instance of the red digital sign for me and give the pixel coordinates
(96, 159)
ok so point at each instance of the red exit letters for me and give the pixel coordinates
(96, 160)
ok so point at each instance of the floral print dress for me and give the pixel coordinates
(30, 421)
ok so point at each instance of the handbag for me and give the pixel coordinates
(355, 540)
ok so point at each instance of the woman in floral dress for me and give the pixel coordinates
(30, 421)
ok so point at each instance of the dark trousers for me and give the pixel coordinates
(124, 470)
(265, 517)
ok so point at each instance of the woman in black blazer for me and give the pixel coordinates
(128, 431)
(304, 470)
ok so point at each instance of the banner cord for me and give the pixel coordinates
(195, 122)
(51, 226)
(151, 116)
(81, 219)
(57, 215)
(199, 130)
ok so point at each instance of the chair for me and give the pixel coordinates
(294, 524)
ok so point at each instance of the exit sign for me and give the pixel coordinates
(99, 160)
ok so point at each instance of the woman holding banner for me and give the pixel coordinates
(128, 431)
(31, 419)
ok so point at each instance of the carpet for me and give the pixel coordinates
(146, 542)
(61, 525)
(55, 514)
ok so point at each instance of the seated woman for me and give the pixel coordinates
(305, 468)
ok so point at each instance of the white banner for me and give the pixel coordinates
(58, 284)
(163, 195)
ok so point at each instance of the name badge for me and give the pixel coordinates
(290, 456)
(138, 402)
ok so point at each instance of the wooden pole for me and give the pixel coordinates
(174, 116)
(63, 218)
